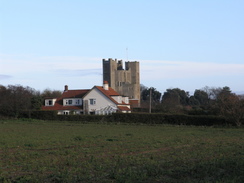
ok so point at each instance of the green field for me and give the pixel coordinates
(42, 151)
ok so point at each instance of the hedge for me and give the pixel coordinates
(176, 119)
(139, 118)
(43, 115)
(52, 115)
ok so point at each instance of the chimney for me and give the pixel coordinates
(66, 88)
(105, 85)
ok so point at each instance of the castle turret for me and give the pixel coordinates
(125, 81)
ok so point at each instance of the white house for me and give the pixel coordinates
(98, 100)
(105, 100)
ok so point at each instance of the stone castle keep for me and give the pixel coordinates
(126, 81)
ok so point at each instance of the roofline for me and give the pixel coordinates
(110, 98)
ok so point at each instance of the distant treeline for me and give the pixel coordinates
(222, 103)
(16, 98)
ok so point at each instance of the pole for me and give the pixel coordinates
(150, 101)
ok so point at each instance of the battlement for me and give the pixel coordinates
(119, 63)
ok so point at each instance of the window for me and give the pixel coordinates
(69, 102)
(78, 102)
(92, 101)
(50, 102)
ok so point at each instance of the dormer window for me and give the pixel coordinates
(50, 102)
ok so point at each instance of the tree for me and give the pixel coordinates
(51, 93)
(156, 95)
(231, 106)
(201, 96)
(177, 95)
(193, 101)
(142, 87)
(212, 92)
(36, 102)
(174, 100)
(224, 92)
(15, 98)
(145, 97)
(4, 99)
(226, 104)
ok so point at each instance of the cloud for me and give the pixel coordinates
(14, 64)
(183, 69)
(54, 71)
(78, 73)
(4, 76)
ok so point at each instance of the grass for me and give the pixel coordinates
(40, 151)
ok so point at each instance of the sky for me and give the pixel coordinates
(186, 44)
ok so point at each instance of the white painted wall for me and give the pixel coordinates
(121, 99)
(117, 99)
(101, 100)
(126, 100)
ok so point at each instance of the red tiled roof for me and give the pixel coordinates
(109, 93)
(74, 93)
(66, 94)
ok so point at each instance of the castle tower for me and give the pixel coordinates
(125, 81)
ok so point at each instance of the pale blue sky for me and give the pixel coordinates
(179, 43)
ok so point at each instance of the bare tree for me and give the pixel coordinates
(51, 93)
(231, 107)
